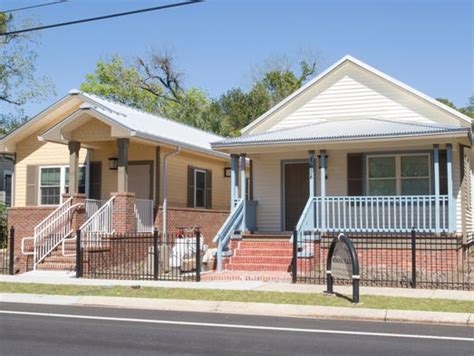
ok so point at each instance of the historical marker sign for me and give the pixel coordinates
(342, 263)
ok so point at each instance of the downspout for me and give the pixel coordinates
(165, 188)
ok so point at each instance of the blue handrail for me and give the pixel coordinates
(232, 223)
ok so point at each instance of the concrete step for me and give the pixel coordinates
(264, 245)
(61, 259)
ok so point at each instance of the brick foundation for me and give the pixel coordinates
(209, 220)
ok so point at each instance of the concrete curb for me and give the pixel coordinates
(264, 309)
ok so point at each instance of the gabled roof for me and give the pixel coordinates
(349, 59)
(138, 123)
(345, 130)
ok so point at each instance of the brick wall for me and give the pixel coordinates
(209, 220)
(24, 219)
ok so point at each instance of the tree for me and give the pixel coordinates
(18, 82)
(467, 110)
(153, 84)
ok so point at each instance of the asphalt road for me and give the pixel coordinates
(63, 330)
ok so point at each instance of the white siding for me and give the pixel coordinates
(267, 180)
(353, 92)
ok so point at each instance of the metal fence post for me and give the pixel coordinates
(294, 264)
(198, 255)
(11, 261)
(413, 258)
(78, 255)
(155, 254)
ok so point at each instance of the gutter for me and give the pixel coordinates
(165, 189)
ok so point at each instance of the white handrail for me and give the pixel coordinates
(49, 233)
(99, 224)
(144, 215)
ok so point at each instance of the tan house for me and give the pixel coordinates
(353, 150)
(98, 152)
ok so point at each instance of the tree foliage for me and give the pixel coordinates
(468, 110)
(153, 84)
(18, 81)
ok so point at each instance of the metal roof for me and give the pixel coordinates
(151, 126)
(344, 130)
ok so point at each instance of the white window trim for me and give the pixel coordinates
(195, 189)
(398, 169)
(62, 177)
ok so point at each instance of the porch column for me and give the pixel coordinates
(451, 198)
(243, 187)
(322, 163)
(122, 171)
(234, 182)
(436, 184)
(74, 148)
(311, 173)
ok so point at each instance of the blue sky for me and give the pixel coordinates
(426, 44)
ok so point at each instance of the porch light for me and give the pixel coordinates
(227, 172)
(113, 163)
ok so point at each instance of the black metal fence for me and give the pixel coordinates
(140, 257)
(411, 260)
(7, 251)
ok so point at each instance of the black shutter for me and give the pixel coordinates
(190, 187)
(355, 174)
(443, 172)
(208, 189)
(95, 180)
(32, 185)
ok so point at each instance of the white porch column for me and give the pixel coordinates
(243, 187)
(234, 182)
(74, 148)
(322, 164)
(436, 184)
(451, 198)
(122, 173)
(312, 177)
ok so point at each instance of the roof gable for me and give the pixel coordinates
(352, 89)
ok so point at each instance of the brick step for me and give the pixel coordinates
(263, 252)
(56, 266)
(256, 267)
(259, 259)
(265, 245)
(54, 259)
(59, 251)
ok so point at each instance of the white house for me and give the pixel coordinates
(352, 150)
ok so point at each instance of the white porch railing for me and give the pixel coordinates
(99, 224)
(50, 232)
(375, 214)
(92, 205)
(144, 215)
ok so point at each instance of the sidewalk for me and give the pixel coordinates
(68, 278)
(264, 309)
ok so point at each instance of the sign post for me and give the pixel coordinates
(342, 263)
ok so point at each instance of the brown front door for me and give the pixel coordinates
(296, 192)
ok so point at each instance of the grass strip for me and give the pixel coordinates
(367, 301)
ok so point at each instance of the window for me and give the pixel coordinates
(199, 188)
(54, 181)
(398, 174)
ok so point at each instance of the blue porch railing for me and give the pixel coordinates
(234, 222)
(425, 213)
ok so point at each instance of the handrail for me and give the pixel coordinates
(100, 223)
(224, 234)
(144, 215)
(399, 213)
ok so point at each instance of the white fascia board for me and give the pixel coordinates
(185, 145)
(341, 141)
(368, 68)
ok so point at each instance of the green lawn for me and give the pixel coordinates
(375, 302)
